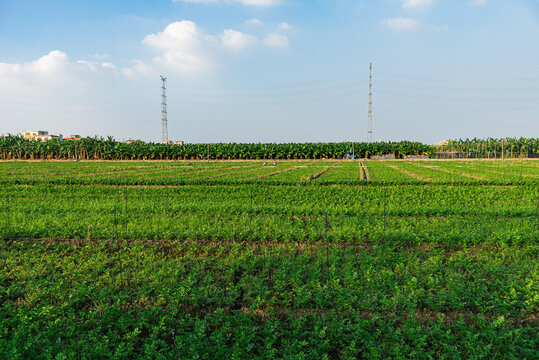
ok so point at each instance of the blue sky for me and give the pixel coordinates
(271, 70)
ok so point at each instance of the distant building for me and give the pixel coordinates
(180, 142)
(131, 141)
(445, 142)
(31, 134)
(41, 135)
(50, 137)
(73, 137)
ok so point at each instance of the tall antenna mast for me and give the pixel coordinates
(369, 119)
(164, 120)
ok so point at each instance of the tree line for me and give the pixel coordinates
(90, 148)
(15, 147)
(489, 148)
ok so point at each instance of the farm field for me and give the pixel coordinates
(305, 259)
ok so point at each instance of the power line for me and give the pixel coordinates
(524, 77)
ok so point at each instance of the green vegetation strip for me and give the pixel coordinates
(336, 267)
(122, 300)
(404, 214)
(15, 147)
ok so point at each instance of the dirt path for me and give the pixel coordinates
(317, 175)
(406, 172)
(363, 172)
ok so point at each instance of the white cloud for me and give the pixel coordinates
(49, 84)
(55, 65)
(477, 2)
(95, 66)
(100, 56)
(139, 68)
(418, 4)
(285, 26)
(259, 3)
(237, 41)
(255, 22)
(108, 65)
(401, 24)
(177, 35)
(198, 1)
(50, 64)
(183, 47)
(277, 40)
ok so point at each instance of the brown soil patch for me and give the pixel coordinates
(363, 172)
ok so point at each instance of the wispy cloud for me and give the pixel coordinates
(198, 1)
(139, 69)
(276, 40)
(401, 24)
(477, 2)
(259, 3)
(418, 4)
(236, 40)
(285, 26)
(255, 22)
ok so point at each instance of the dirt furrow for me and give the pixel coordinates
(363, 172)
(317, 175)
(406, 172)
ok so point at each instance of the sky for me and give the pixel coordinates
(271, 70)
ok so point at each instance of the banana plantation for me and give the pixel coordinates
(489, 148)
(13, 147)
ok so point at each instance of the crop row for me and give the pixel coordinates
(283, 173)
(277, 199)
(401, 214)
(304, 259)
(123, 300)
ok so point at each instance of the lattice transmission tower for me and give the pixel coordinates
(164, 120)
(369, 118)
